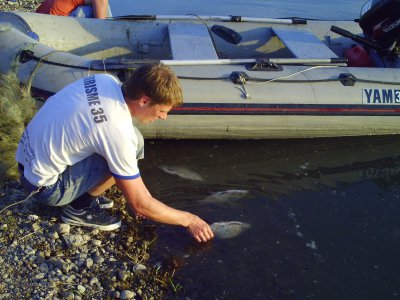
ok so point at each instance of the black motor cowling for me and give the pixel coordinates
(380, 22)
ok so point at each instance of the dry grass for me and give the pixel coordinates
(17, 107)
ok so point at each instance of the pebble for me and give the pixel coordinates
(93, 281)
(36, 227)
(44, 268)
(33, 217)
(68, 295)
(96, 242)
(123, 275)
(115, 294)
(62, 228)
(81, 289)
(126, 295)
(54, 235)
(138, 268)
(74, 240)
(40, 276)
(98, 259)
(89, 263)
(28, 250)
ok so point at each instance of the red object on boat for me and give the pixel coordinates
(358, 57)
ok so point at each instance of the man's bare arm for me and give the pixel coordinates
(142, 202)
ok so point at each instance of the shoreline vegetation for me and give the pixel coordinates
(41, 258)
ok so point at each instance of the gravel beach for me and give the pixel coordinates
(41, 258)
(19, 5)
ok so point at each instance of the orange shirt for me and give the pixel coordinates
(59, 7)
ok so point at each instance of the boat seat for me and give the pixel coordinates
(303, 43)
(191, 42)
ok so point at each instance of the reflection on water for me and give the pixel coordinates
(272, 168)
(324, 217)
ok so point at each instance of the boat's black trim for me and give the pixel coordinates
(27, 55)
(134, 17)
(286, 109)
(40, 94)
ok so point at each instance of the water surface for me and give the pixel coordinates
(319, 9)
(324, 216)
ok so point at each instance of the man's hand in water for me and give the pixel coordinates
(200, 230)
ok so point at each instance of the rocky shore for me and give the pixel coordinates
(41, 258)
(19, 5)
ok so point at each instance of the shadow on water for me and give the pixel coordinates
(324, 215)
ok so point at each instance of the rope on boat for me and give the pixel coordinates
(28, 83)
(43, 60)
(293, 74)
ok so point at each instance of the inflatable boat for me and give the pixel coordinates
(242, 77)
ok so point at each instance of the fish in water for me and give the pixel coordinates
(182, 172)
(228, 230)
(228, 196)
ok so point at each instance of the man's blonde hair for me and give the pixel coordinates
(156, 81)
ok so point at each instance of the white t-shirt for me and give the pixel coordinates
(86, 117)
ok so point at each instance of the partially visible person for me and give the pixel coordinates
(98, 9)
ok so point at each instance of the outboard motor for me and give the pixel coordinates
(380, 22)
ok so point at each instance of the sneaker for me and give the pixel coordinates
(90, 217)
(102, 202)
